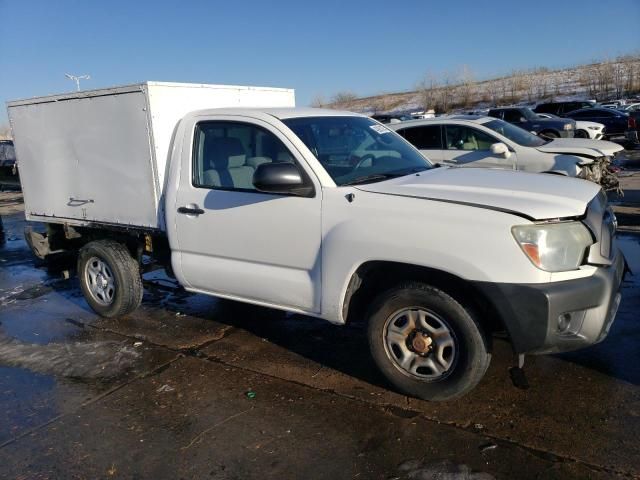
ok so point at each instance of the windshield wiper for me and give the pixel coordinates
(369, 178)
(385, 176)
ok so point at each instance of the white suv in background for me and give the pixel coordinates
(475, 141)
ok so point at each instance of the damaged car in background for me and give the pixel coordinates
(478, 141)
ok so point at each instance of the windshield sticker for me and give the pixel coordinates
(379, 129)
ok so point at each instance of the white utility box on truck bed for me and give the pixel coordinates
(320, 212)
(101, 155)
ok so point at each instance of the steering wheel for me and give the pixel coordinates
(364, 158)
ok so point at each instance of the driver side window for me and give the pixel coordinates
(460, 137)
(226, 154)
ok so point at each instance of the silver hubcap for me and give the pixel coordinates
(420, 344)
(100, 281)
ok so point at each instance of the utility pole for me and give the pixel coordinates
(77, 79)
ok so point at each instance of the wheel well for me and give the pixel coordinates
(550, 130)
(375, 277)
(65, 238)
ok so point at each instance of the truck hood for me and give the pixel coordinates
(532, 195)
(583, 147)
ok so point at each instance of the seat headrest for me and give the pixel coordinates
(223, 152)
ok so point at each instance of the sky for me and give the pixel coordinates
(317, 47)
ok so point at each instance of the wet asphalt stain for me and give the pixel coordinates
(445, 470)
(86, 360)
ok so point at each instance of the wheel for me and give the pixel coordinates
(426, 343)
(549, 134)
(110, 278)
(581, 134)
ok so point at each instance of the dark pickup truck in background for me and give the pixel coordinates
(561, 108)
(524, 117)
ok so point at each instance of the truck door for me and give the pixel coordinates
(230, 240)
(469, 147)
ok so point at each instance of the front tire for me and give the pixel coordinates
(426, 343)
(581, 134)
(550, 134)
(109, 278)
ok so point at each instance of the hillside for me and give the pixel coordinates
(599, 81)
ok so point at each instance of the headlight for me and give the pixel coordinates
(554, 247)
(568, 126)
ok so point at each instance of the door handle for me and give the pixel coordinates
(190, 210)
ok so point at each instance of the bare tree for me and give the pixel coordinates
(494, 91)
(630, 84)
(589, 80)
(344, 97)
(529, 85)
(445, 94)
(428, 91)
(466, 85)
(541, 86)
(318, 101)
(618, 77)
(516, 85)
(633, 77)
(5, 132)
(604, 74)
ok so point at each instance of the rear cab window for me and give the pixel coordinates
(425, 137)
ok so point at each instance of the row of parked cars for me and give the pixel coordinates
(618, 119)
(516, 138)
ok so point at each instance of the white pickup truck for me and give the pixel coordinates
(320, 212)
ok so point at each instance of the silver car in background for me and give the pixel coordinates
(477, 141)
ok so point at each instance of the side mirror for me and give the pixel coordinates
(523, 120)
(281, 177)
(500, 149)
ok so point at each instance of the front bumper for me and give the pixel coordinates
(632, 136)
(560, 316)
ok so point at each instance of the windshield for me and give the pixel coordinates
(515, 134)
(357, 149)
(529, 114)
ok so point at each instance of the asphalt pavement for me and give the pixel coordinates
(190, 386)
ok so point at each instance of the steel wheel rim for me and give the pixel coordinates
(400, 332)
(100, 281)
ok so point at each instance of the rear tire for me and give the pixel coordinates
(426, 343)
(109, 278)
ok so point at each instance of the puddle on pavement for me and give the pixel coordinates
(50, 361)
(416, 469)
(87, 360)
(630, 246)
(617, 355)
